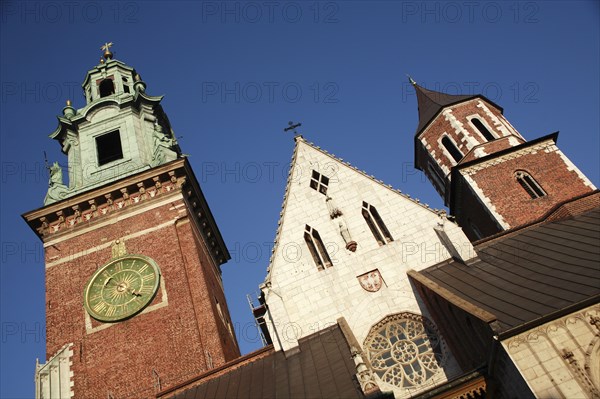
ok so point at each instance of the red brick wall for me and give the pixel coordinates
(461, 111)
(498, 183)
(577, 207)
(171, 340)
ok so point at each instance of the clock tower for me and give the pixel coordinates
(134, 297)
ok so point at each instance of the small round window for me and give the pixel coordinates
(405, 350)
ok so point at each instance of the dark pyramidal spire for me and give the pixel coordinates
(431, 102)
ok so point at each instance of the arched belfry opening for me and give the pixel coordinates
(106, 87)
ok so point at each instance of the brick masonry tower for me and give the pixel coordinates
(134, 296)
(490, 177)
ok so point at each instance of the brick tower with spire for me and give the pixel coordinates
(490, 177)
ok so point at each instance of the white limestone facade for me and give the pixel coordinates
(54, 379)
(364, 286)
(561, 358)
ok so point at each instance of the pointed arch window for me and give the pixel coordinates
(107, 87)
(319, 182)
(529, 184)
(317, 248)
(378, 228)
(485, 132)
(452, 149)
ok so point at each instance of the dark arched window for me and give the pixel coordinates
(452, 149)
(529, 184)
(317, 248)
(482, 129)
(107, 88)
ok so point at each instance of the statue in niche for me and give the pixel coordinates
(57, 190)
(164, 146)
(337, 215)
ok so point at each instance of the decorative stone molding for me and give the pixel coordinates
(54, 379)
(364, 374)
(66, 216)
(580, 374)
(558, 337)
(547, 146)
(96, 208)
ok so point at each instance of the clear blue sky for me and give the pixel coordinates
(235, 73)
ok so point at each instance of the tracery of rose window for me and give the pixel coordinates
(405, 350)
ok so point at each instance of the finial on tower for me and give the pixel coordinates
(68, 111)
(107, 53)
(411, 80)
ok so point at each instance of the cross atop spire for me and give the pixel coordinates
(106, 47)
(293, 127)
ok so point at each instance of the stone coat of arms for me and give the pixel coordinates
(371, 281)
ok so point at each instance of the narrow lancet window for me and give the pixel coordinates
(378, 228)
(317, 248)
(529, 184)
(319, 182)
(482, 129)
(452, 149)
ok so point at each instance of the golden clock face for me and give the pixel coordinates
(121, 288)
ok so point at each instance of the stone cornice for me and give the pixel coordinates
(119, 100)
(68, 215)
(507, 154)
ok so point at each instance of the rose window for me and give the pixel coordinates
(405, 350)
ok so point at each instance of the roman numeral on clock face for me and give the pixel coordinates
(147, 289)
(110, 310)
(99, 307)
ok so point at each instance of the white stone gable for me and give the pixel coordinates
(362, 286)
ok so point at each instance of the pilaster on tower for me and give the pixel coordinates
(489, 176)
